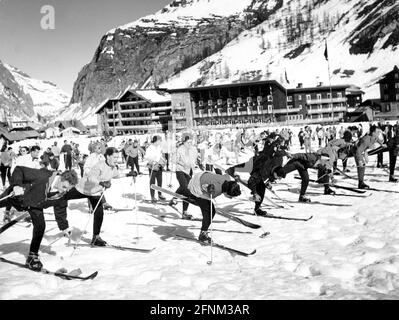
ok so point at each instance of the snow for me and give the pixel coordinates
(310, 67)
(154, 96)
(47, 98)
(342, 253)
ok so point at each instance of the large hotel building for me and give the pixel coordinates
(257, 102)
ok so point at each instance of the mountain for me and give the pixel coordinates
(13, 100)
(204, 42)
(48, 100)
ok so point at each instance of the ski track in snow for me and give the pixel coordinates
(342, 253)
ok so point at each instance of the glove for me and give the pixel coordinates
(256, 197)
(18, 191)
(268, 185)
(105, 184)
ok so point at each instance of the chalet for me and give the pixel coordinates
(135, 111)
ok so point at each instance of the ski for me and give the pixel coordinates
(64, 276)
(115, 210)
(220, 246)
(317, 194)
(322, 203)
(11, 223)
(218, 210)
(164, 203)
(171, 193)
(110, 246)
(269, 215)
(345, 174)
(356, 190)
(382, 190)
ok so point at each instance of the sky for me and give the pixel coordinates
(58, 54)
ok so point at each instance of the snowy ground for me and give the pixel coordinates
(349, 252)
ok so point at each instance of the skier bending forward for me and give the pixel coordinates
(198, 193)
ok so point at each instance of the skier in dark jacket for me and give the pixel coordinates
(302, 162)
(33, 190)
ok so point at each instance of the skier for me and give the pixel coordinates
(155, 165)
(262, 175)
(361, 156)
(35, 190)
(301, 162)
(198, 193)
(186, 160)
(92, 186)
(132, 156)
(393, 147)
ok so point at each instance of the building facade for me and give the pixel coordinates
(135, 112)
(320, 104)
(389, 93)
(235, 103)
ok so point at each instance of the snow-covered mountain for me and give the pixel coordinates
(13, 100)
(48, 100)
(204, 42)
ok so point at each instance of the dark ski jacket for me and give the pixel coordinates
(36, 183)
(264, 172)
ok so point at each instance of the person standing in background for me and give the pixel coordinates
(66, 150)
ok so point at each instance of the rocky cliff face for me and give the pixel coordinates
(197, 42)
(13, 100)
(157, 47)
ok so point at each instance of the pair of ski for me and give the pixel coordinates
(59, 274)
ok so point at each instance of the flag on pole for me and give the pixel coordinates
(286, 77)
(326, 52)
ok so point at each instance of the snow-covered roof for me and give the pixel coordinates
(153, 96)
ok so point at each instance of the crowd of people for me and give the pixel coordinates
(34, 179)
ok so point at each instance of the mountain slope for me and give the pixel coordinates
(48, 99)
(202, 42)
(13, 100)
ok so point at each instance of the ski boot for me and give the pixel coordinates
(161, 197)
(362, 185)
(7, 216)
(392, 179)
(154, 200)
(97, 241)
(304, 199)
(33, 262)
(260, 212)
(186, 216)
(204, 237)
(328, 190)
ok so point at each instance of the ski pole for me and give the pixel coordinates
(88, 220)
(135, 205)
(211, 191)
(12, 194)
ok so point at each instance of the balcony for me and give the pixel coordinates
(326, 110)
(285, 111)
(325, 100)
